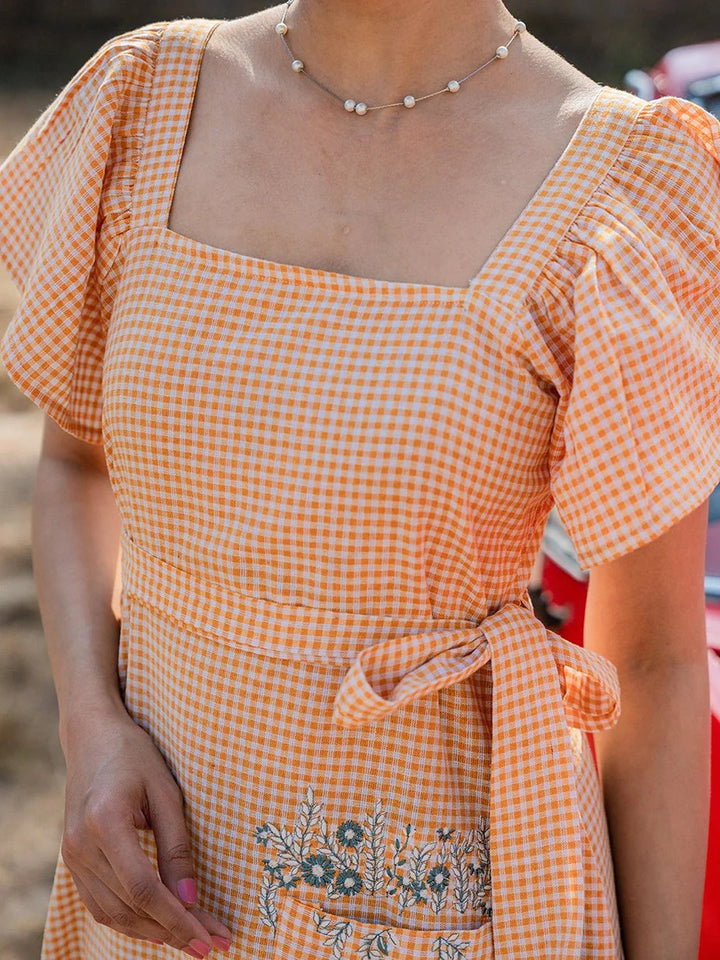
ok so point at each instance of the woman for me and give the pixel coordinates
(321, 370)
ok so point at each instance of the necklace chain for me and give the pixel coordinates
(359, 107)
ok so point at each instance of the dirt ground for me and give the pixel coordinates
(31, 763)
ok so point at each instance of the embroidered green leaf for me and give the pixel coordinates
(282, 842)
(261, 834)
(375, 849)
(480, 870)
(438, 899)
(450, 947)
(460, 875)
(267, 898)
(336, 932)
(374, 946)
(419, 860)
(306, 820)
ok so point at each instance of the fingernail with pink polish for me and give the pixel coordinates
(199, 947)
(221, 943)
(186, 890)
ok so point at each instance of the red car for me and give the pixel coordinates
(560, 598)
(692, 72)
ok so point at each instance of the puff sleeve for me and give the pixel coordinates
(626, 322)
(65, 204)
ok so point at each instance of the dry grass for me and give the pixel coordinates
(31, 764)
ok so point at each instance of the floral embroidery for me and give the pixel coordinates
(350, 833)
(317, 870)
(348, 882)
(336, 932)
(450, 947)
(357, 856)
(438, 877)
(374, 946)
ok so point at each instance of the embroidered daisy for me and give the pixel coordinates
(349, 833)
(438, 877)
(348, 882)
(317, 870)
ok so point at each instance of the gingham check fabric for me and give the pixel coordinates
(333, 489)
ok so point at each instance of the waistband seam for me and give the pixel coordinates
(292, 656)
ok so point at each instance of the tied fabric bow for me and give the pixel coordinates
(542, 685)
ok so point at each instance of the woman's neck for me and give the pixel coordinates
(380, 50)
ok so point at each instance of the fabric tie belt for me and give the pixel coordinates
(541, 686)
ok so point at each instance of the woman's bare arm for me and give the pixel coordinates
(75, 539)
(117, 779)
(646, 613)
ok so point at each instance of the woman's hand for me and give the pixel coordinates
(117, 783)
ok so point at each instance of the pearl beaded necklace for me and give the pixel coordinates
(359, 107)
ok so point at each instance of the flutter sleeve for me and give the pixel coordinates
(65, 204)
(625, 327)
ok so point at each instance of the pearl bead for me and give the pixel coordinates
(297, 65)
(281, 28)
(349, 105)
(520, 26)
(453, 86)
(360, 108)
(409, 101)
(501, 52)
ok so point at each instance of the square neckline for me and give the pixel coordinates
(261, 267)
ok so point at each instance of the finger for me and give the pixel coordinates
(91, 872)
(108, 894)
(96, 869)
(174, 856)
(98, 873)
(146, 893)
(175, 860)
(97, 913)
(108, 910)
(221, 935)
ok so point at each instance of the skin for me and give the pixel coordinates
(117, 780)
(275, 168)
(646, 613)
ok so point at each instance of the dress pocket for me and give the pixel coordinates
(304, 931)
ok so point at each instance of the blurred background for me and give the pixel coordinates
(45, 40)
(42, 44)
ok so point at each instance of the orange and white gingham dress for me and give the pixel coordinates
(333, 489)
